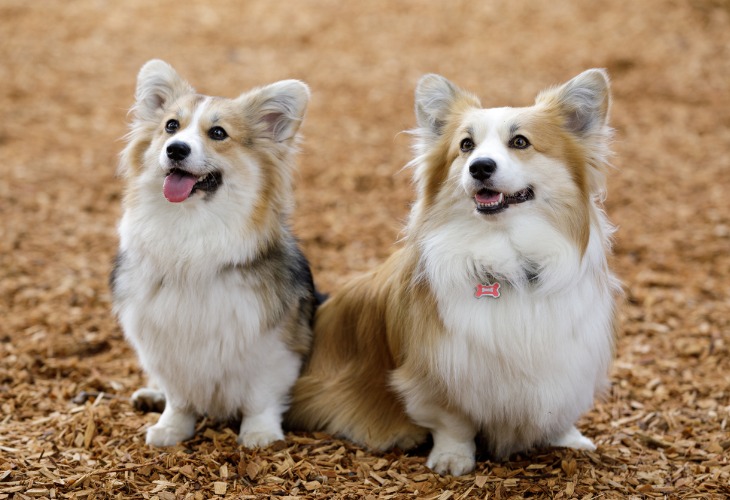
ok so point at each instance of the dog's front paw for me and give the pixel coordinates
(454, 463)
(174, 426)
(167, 435)
(575, 440)
(453, 453)
(261, 429)
(147, 399)
(259, 439)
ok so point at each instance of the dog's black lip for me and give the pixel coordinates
(520, 196)
(210, 183)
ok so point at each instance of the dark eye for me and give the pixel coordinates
(171, 126)
(519, 142)
(466, 145)
(217, 133)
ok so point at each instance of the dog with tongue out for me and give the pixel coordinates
(209, 284)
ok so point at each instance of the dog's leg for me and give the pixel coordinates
(573, 439)
(268, 396)
(175, 425)
(453, 436)
(262, 428)
(453, 444)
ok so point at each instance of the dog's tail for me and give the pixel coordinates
(344, 388)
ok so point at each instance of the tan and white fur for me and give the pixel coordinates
(505, 195)
(209, 285)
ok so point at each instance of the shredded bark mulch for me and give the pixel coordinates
(67, 428)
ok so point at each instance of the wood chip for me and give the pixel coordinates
(219, 488)
(38, 492)
(252, 470)
(569, 489)
(378, 478)
(312, 485)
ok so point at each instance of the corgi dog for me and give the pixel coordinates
(209, 285)
(495, 319)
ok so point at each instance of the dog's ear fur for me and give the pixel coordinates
(434, 98)
(583, 105)
(158, 84)
(584, 102)
(278, 109)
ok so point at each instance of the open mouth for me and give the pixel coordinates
(180, 185)
(492, 202)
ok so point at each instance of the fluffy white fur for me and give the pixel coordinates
(207, 336)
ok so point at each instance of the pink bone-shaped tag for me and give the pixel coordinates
(487, 290)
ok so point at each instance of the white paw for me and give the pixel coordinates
(147, 399)
(446, 462)
(453, 446)
(574, 439)
(259, 439)
(167, 435)
(262, 429)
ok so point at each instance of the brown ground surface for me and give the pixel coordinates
(68, 73)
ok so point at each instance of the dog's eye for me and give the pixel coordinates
(217, 133)
(171, 126)
(519, 142)
(466, 145)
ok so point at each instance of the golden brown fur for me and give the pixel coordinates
(356, 347)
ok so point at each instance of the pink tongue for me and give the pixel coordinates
(178, 185)
(487, 197)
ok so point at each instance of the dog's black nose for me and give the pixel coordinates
(178, 151)
(482, 168)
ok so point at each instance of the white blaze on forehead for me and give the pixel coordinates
(194, 125)
(192, 135)
(490, 126)
(491, 130)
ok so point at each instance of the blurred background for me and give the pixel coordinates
(67, 79)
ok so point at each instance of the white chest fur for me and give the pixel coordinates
(526, 364)
(203, 335)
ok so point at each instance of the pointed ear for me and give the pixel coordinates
(158, 84)
(584, 101)
(278, 109)
(434, 98)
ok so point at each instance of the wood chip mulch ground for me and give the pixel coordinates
(67, 429)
